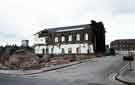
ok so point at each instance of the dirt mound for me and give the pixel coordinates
(23, 60)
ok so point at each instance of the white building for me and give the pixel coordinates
(79, 39)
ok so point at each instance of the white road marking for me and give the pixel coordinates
(112, 78)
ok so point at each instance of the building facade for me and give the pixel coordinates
(123, 46)
(78, 39)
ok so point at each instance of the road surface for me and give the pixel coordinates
(97, 71)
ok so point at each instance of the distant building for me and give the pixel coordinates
(25, 43)
(123, 46)
(78, 39)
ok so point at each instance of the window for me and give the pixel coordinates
(63, 51)
(78, 50)
(51, 50)
(43, 51)
(69, 50)
(119, 45)
(119, 41)
(70, 38)
(47, 50)
(78, 37)
(62, 38)
(41, 39)
(56, 39)
(86, 36)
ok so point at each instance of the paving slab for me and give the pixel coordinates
(128, 76)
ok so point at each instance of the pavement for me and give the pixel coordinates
(126, 75)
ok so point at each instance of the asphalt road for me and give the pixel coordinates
(97, 71)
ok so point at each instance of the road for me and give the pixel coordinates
(97, 71)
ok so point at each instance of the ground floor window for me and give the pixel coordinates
(43, 51)
(69, 50)
(46, 50)
(63, 51)
(78, 50)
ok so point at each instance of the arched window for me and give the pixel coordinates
(70, 38)
(86, 36)
(56, 39)
(62, 38)
(78, 37)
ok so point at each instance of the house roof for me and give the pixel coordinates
(124, 40)
(67, 28)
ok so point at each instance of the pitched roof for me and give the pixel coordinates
(124, 40)
(67, 28)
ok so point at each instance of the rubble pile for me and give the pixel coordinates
(23, 60)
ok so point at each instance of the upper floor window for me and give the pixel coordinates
(119, 41)
(86, 36)
(70, 38)
(56, 39)
(41, 40)
(62, 38)
(78, 37)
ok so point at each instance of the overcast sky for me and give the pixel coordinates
(20, 19)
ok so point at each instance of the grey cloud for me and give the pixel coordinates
(123, 6)
(109, 6)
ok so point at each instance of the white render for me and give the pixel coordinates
(41, 40)
(57, 49)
